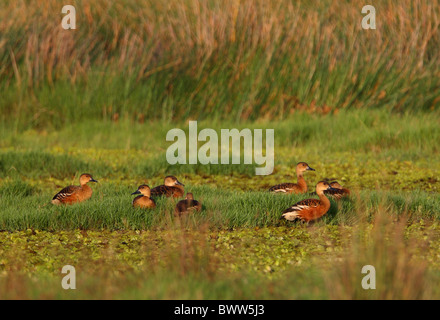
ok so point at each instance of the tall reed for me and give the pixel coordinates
(214, 59)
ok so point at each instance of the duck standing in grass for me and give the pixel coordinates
(310, 209)
(74, 194)
(171, 188)
(143, 199)
(188, 205)
(300, 186)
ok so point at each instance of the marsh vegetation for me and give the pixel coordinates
(360, 107)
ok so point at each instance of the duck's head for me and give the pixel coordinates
(143, 190)
(335, 185)
(322, 186)
(189, 196)
(302, 167)
(86, 178)
(171, 181)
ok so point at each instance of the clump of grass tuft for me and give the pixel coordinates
(17, 189)
(39, 164)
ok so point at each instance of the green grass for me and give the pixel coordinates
(237, 244)
(363, 150)
(359, 106)
(110, 209)
(395, 164)
(406, 136)
(237, 247)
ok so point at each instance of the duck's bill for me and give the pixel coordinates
(180, 183)
(136, 192)
(93, 180)
(311, 169)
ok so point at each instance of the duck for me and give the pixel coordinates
(171, 188)
(300, 186)
(310, 209)
(143, 199)
(188, 205)
(338, 191)
(74, 194)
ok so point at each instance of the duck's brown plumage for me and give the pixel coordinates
(289, 187)
(188, 205)
(338, 192)
(143, 200)
(74, 194)
(299, 187)
(171, 188)
(310, 209)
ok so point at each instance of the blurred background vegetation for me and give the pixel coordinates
(234, 60)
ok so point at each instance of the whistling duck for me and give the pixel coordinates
(171, 188)
(187, 205)
(73, 194)
(310, 209)
(143, 200)
(300, 186)
(338, 191)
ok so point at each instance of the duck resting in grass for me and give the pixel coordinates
(337, 193)
(187, 206)
(143, 199)
(74, 194)
(171, 188)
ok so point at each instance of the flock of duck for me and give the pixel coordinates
(305, 210)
